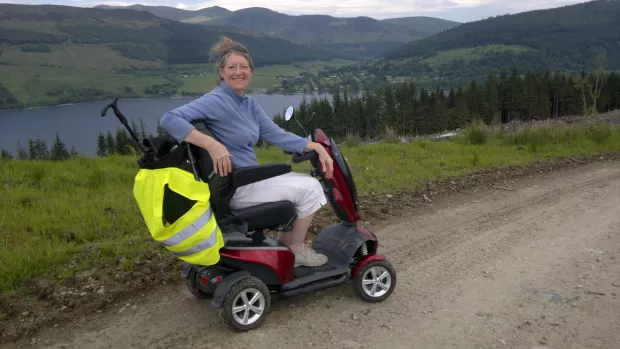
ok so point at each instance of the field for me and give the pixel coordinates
(264, 77)
(198, 84)
(66, 75)
(44, 85)
(75, 56)
(471, 53)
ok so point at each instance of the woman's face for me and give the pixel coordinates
(237, 73)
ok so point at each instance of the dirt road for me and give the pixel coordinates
(533, 267)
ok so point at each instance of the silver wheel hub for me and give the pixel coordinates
(248, 306)
(376, 281)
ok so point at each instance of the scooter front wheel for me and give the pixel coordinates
(246, 305)
(376, 281)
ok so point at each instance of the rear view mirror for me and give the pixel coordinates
(289, 113)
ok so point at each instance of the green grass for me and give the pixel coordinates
(295, 69)
(60, 218)
(468, 54)
(74, 56)
(279, 69)
(30, 84)
(264, 77)
(41, 26)
(203, 84)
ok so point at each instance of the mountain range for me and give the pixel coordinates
(360, 37)
(51, 53)
(137, 35)
(568, 39)
(561, 38)
(567, 32)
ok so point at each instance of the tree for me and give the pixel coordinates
(59, 151)
(38, 149)
(73, 153)
(493, 106)
(101, 145)
(110, 144)
(591, 85)
(5, 155)
(600, 62)
(582, 84)
(142, 133)
(121, 142)
(22, 154)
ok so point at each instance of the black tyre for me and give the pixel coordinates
(246, 305)
(376, 281)
(192, 286)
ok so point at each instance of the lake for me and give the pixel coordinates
(79, 124)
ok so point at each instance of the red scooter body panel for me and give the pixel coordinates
(343, 186)
(281, 261)
(364, 261)
(367, 233)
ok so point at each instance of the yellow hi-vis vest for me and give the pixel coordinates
(195, 237)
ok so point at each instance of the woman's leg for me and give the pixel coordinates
(295, 239)
(305, 191)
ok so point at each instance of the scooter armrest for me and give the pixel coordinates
(252, 174)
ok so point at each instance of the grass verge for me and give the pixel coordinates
(64, 218)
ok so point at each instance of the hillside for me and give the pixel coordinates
(136, 35)
(60, 54)
(175, 14)
(313, 29)
(423, 26)
(361, 37)
(562, 38)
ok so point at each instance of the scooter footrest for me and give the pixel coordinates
(302, 271)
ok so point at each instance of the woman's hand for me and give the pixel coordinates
(218, 152)
(221, 158)
(327, 163)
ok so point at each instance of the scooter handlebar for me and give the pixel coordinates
(117, 111)
(123, 120)
(297, 157)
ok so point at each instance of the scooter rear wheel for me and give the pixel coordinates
(246, 305)
(192, 286)
(376, 281)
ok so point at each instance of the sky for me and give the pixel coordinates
(455, 10)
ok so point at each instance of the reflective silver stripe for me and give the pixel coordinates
(189, 230)
(203, 245)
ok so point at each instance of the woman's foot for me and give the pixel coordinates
(308, 257)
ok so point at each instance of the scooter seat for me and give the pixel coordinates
(268, 215)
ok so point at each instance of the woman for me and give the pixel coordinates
(237, 122)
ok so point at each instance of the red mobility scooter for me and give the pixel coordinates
(253, 267)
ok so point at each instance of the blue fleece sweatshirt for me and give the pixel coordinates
(237, 121)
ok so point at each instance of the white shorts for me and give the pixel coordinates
(305, 191)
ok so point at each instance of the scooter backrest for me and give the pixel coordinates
(221, 187)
